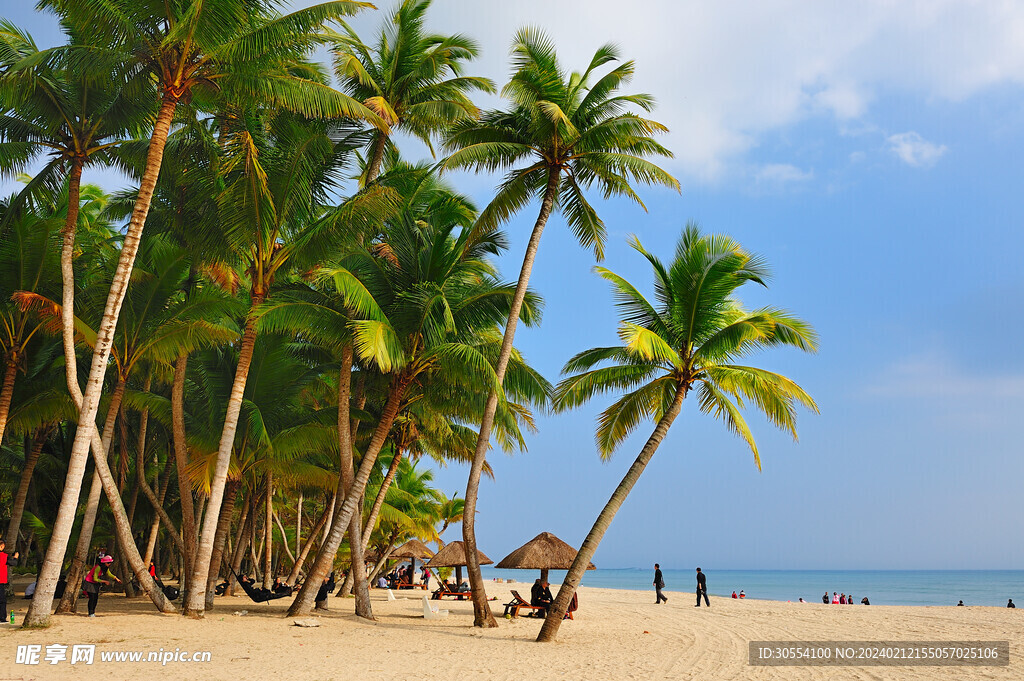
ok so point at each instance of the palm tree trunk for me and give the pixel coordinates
(69, 601)
(7, 391)
(39, 610)
(310, 541)
(482, 616)
(155, 525)
(604, 521)
(197, 598)
(241, 544)
(382, 562)
(18, 507)
(298, 525)
(284, 539)
(364, 608)
(379, 145)
(223, 528)
(325, 558)
(188, 513)
(268, 533)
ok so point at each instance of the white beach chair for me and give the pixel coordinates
(391, 595)
(432, 612)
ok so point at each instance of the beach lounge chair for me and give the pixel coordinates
(446, 589)
(432, 612)
(519, 603)
(391, 595)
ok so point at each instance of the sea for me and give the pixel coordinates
(881, 587)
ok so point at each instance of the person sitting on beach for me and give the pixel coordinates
(1009, 604)
(865, 601)
(463, 586)
(960, 603)
(842, 599)
(382, 583)
(849, 599)
(802, 600)
(734, 595)
(540, 595)
(835, 598)
(742, 594)
(824, 599)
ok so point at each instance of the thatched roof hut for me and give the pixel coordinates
(453, 554)
(413, 548)
(544, 552)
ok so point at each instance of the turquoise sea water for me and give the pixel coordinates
(882, 587)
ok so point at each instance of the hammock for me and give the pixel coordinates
(259, 595)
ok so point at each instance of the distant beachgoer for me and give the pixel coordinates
(323, 592)
(802, 600)
(742, 594)
(734, 595)
(1009, 604)
(4, 559)
(30, 590)
(960, 603)
(702, 588)
(382, 582)
(842, 599)
(824, 599)
(849, 599)
(659, 584)
(835, 598)
(865, 601)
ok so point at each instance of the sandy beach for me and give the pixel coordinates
(616, 635)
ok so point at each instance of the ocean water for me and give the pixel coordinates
(882, 587)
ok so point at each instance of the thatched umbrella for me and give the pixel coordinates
(413, 549)
(453, 554)
(544, 552)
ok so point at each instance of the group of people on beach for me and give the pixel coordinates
(702, 587)
(842, 599)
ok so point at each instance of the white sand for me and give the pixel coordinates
(616, 635)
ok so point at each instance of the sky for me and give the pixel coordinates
(871, 152)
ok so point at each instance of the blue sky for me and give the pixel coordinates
(872, 155)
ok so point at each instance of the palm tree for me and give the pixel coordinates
(432, 291)
(28, 259)
(412, 79)
(687, 340)
(278, 173)
(562, 135)
(236, 49)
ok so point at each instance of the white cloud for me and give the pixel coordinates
(914, 150)
(728, 73)
(936, 376)
(780, 174)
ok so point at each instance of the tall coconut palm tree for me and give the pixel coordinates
(562, 135)
(411, 78)
(689, 338)
(278, 174)
(432, 292)
(238, 49)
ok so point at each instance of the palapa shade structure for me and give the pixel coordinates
(544, 552)
(453, 554)
(413, 549)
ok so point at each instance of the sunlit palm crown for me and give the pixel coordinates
(690, 337)
(565, 124)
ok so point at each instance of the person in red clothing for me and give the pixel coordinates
(4, 557)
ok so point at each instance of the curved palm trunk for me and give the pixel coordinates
(18, 507)
(378, 503)
(482, 616)
(268, 534)
(155, 525)
(69, 601)
(383, 561)
(307, 547)
(241, 544)
(221, 538)
(325, 558)
(287, 549)
(379, 145)
(39, 610)
(604, 520)
(196, 602)
(7, 391)
(188, 513)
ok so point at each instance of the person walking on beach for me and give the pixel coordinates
(835, 598)
(4, 558)
(99, 574)
(659, 584)
(702, 588)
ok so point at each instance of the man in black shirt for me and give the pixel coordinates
(659, 584)
(702, 588)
